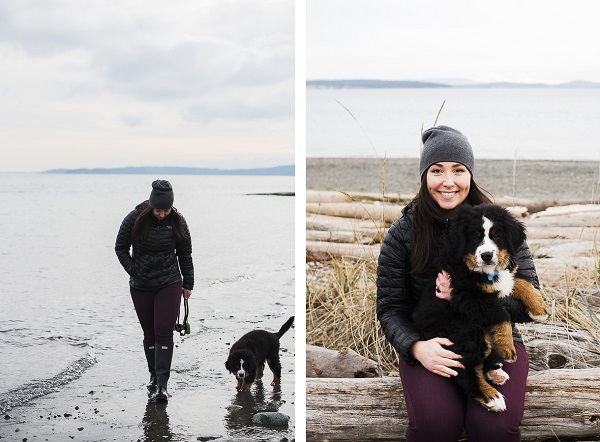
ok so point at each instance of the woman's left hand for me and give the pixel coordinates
(187, 293)
(442, 286)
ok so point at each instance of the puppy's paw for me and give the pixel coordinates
(538, 318)
(497, 376)
(496, 404)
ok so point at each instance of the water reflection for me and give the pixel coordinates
(245, 404)
(156, 423)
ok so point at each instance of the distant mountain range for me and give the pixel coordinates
(288, 170)
(408, 84)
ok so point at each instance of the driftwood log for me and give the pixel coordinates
(558, 404)
(558, 346)
(346, 363)
(563, 393)
(387, 212)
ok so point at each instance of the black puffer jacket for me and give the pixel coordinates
(157, 260)
(398, 292)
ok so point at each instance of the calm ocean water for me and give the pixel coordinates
(556, 124)
(64, 296)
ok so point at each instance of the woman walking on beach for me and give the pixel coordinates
(437, 410)
(161, 271)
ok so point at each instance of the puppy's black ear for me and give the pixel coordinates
(228, 366)
(514, 231)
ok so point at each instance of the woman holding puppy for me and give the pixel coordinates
(161, 271)
(437, 409)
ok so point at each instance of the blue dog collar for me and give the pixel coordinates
(496, 273)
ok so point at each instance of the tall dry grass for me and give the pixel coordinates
(340, 309)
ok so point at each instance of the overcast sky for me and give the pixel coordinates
(547, 41)
(111, 83)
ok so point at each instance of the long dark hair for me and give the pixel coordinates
(142, 222)
(428, 219)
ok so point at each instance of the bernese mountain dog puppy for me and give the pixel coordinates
(478, 251)
(248, 355)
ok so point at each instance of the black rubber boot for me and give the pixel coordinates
(151, 360)
(164, 356)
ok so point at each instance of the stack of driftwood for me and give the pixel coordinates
(348, 399)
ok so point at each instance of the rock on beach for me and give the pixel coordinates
(270, 418)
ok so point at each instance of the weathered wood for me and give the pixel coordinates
(387, 212)
(337, 229)
(343, 249)
(557, 346)
(558, 403)
(338, 237)
(316, 221)
(346, 363)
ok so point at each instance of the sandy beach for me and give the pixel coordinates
(566, 181)
(204, 405)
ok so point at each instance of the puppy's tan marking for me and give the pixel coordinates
(470, 259)
(502, 341)
(531, 298)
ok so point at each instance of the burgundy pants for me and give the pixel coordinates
(439, 411)
(157, 312)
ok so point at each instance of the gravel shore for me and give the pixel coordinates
(559, 181)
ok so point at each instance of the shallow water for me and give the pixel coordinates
(66, 305)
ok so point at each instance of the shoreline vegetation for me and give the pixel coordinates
(348, 212)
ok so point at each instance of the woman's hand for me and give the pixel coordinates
(187, 293)
(442, 286)
(435, 358)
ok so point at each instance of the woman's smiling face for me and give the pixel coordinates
(448, 184)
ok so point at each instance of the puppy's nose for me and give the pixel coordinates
(487, 256)
(240, 374)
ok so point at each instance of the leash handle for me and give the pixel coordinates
(184, 329)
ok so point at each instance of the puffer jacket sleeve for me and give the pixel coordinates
(124, 241)
(526, 271)
(184, 255)
(395, 303)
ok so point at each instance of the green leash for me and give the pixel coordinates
(184, 329)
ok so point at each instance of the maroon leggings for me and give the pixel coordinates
(157, 312)
(439, 411)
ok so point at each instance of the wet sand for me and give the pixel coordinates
(561, 181)
(109, 402)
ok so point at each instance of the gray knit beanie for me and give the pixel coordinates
(442, 143)
(161, 197)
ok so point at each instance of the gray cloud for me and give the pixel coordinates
(102, 83)
(145, 56)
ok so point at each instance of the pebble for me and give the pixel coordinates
(270, 418)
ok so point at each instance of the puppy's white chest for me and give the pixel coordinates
(504, 283)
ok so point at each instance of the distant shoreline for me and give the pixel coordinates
(410, 84)
(287, 170)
